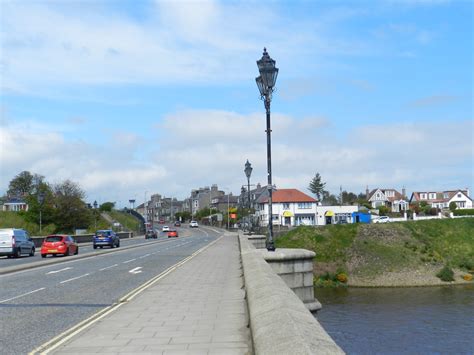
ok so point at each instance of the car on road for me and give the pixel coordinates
(165, 229)
(177, 224)
(104, 238)
(151, 234)
(382, 219)
(173, 233)
(193, 224)
(15, 242)
(59, 244)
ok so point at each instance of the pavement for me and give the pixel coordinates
(198, 308)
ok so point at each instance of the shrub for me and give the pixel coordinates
(452, 206)
(342, 277)
(467, 277)
(464, 212)
(466, 264)
(446, 274)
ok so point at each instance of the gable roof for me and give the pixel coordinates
(396, 195)
(287, 195)
(416, 196)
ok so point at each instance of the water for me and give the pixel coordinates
(420, 320)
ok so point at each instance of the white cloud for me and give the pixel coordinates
(200, 148)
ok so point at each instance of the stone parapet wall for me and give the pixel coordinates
(279, 321)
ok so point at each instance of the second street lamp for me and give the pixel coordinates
(248, 173)
(266, 85)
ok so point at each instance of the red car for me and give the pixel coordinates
(173, 233)
(59, 244)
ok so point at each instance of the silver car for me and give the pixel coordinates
(15, 242)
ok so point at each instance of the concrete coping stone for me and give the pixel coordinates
(256, 236)
(283, 254)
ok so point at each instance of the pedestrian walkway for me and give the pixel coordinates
(199, 308)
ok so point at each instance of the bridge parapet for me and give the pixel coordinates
(279, 321)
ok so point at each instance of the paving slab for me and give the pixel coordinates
(199, 308)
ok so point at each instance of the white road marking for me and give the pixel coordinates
(74, 278)
(144, 256)
(136, 270)
(129, 261)
(25, 294)
(108, 267)
(56, 271)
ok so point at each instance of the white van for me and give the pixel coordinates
(14, 242)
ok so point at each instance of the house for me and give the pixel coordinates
(390, 198)
(15, 204)
(442, 199)
(290, 207)
(247, 199)
(224, 202)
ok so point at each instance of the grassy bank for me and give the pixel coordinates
(392, 254)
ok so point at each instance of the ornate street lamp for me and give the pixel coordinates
(248, 173)
(266, 85)
(95, 214)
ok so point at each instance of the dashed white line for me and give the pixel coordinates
(136, 270)
(144, 256)
(108, 267)
(129, 261)
(74, 278)
(25, 294)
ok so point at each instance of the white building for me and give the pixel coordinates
(290, 207)
(391, 198)
(442, 199)
(334, 214)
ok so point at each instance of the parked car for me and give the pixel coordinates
(173, 233)
(382, 219)
(165, 229)
(177, 224)
(15, 242)
(193, 224)
(151, 234)
(105, 237)
(59, 244)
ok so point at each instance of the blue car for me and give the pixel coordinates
(106, 237)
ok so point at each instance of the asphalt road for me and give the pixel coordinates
(38, 304)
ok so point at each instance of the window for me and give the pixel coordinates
(304, 205)
(286, 206)
(423, 196)
(459, 195)
(432, 196)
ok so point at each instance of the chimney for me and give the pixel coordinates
(404, 195)
(367, 191)
(467, 192)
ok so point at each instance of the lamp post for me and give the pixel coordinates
(248, 172)
(40, 202)
(266, 85)
(95, 214)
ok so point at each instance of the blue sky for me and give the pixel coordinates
(125, 97)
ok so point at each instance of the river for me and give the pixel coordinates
(419, 320)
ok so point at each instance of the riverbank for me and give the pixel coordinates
(401, 254)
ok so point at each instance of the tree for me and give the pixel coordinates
(452, 206)
(349, 197)
(24, 184)
(107, 206)
(329, 199)
(316, 186)
(71, 211)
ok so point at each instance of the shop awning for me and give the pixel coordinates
(329, 214)
(287, 214)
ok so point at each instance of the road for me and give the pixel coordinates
(38, 304)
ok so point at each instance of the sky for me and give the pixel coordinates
(131, 98)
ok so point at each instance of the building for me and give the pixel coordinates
(335, 214)
(224, 202)
(15, 204)
(442, 199)
(202, 198)
(255, 194)
(390, 198)
(290, 207)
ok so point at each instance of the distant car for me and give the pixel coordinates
(105, 237)
(193, 224)
(165, 229)
(151, 234)
(162, 221)
(59, 244)
(177, 224)
(382, 219)
(173, 233)
(14, 242)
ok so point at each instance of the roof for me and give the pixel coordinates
(439, 195)
(396, 196)
(288, 195)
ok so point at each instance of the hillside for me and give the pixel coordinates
(392, 254)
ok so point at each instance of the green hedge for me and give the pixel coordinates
(464, 212)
